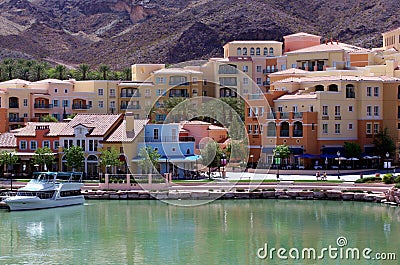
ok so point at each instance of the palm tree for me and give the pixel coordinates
(103, 68)
(84, 69)
(9, 67)
(60, 69)
(127, 73)
(39, 69)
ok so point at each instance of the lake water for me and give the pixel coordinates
(221, 232)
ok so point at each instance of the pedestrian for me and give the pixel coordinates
(324, 176)
(317, 175)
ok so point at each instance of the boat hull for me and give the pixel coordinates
(20, 203)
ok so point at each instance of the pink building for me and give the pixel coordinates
(203, 131)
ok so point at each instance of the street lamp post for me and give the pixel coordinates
(387, 162)
(338, 157)
(277, 154)
(223, 164)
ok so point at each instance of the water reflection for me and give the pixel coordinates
(222, 232)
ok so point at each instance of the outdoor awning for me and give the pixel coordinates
(183, 159)
(268, 150)
(307, 156)
(296, 150)
(332, 150)
(328, 156)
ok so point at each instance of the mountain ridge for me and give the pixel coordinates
(122, 32)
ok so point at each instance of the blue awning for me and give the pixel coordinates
(327, 156)
(296, 150)
(307, 156)
(332, 150)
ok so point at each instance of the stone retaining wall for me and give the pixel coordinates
(240, 194)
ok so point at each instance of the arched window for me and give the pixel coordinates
(297, 129)
(239, 51)
(13, 102)
(258, 51)
(271, 129)
(350, 92)
(251, 51)
(284, 129)
(333, 88)
(244, 51)
(319, 88)
(265, 51)
(271, 51)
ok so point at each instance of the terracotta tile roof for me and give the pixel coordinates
(121, 135)
(301, 34)
(335, 78)
(15, 81)
(334, 46)
(30, 128)
(297, 96)
(291, 71)
(100, 124)
(8, 140)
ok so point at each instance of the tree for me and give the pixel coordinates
(281, 151)
(352, 149)
(238, 150)
(8, 159)
(103, 68)
(43, 157)
(236, 104)
(49, 118)
(127, 73)
(75, 157)
(384, 143)
(9, 67)
(149, 157)
(84, 69)
(237, 129)
(39, 68)
(110, 158)
(211, 156)
(60, 69)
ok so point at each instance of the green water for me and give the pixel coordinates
(222, 232)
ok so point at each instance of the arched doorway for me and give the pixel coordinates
(92, 167)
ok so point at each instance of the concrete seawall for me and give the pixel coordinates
(242, 194)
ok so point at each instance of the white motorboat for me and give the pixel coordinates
(48, 190)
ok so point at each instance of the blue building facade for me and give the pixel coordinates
(177, 151)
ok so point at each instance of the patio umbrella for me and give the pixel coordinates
(353, 159)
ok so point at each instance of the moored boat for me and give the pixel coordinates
(48, 190)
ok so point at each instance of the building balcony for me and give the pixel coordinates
(284, 133)
(80, 106)
(269, 71)
(13, 106)
(15, 119)
(297, 133)
(297, 115)
(130, 107)
(170, 139)
(42, 106)
(130, 95)
(271, 115)
(284, 115)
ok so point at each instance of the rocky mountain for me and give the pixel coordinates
(123, 32)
